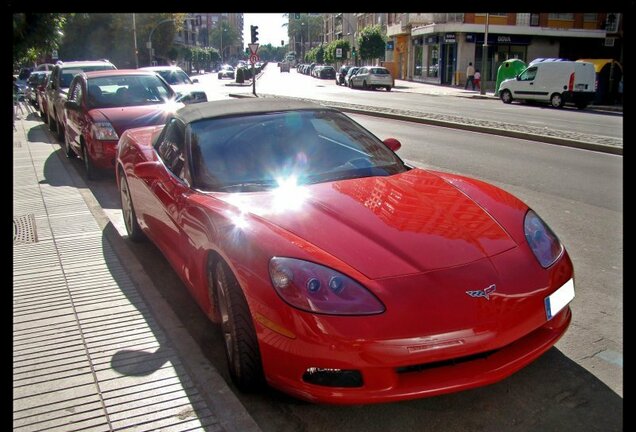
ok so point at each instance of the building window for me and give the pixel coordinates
(590, 17)
(499, 14)
(418, 52)
(523, 19)
(432, 70)
(611, 22)
(534, 19)
(561, 16)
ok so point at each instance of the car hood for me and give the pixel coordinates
(390, 226)
(123, 118)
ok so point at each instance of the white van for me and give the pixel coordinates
(554, 82)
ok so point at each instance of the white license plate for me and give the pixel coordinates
(581, 87)
(559, 299)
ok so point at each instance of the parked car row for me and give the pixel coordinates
(89, 104)
(364, 77)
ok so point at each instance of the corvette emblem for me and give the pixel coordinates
(483, 293)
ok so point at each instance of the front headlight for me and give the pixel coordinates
(315, 288)
(104, 131)
(544, 243)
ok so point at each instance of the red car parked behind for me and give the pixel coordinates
(102, 105)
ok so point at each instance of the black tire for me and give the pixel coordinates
(59, 131)
(556, 100)
(241, 345)
(350, 84)
(506, 96)
(364, 85)
(44, 117)
(128, 211)
(388, 88)
(581, 105)
(91, 171)
(68, 150)
(52, 123)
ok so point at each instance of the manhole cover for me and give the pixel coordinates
(24, 230)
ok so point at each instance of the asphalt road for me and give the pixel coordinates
(576, 386)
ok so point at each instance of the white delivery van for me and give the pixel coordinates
(554, 82)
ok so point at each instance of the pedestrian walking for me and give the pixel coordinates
(470, 76)
(477, 80)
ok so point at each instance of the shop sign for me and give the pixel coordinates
(389, 46)
(449, 38)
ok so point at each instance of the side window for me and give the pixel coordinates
(171, 147)
(528, 74)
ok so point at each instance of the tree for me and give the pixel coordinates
(224, 36)
(36, 35)
(372, 42)
(330, 50)
(297, 29)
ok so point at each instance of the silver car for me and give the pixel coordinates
(372, 77)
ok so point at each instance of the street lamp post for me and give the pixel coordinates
(149, 45)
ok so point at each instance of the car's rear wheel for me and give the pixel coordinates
(52, 123)
(350, 84)
(241, 345)
(68, 150)
(128, 210)
(364, 85)
(506, 96)
(556, 100)
(388, 88)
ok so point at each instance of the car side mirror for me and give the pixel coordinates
(392, 143)
(71, 105)
(148, 170)
(195, 80)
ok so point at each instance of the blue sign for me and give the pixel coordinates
(389, 46)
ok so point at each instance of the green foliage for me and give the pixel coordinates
(330, 51)
(320, 54)
(36, 35)
(371, 42)
(223, 36)
(240, 78)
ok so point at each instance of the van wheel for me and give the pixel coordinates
(556, 100)
(581, 105)
(506, 96)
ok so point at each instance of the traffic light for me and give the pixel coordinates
(353, 52)
(254, 30)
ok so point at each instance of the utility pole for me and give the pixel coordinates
(484, 61)
(135, 41)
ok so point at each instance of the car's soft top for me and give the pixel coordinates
(194, 112)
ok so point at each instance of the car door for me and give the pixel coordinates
(526, 85)
(359, 77)
(169, 191)
(75, 116)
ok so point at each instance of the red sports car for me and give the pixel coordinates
(102, 105)
(338, 273)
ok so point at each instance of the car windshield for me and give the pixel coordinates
(175, 76)
(127, 90)
(254, 152)
(379, 71)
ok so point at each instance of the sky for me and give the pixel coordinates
(270, 30)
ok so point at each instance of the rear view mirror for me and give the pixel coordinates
(392, 143)
(195, 80)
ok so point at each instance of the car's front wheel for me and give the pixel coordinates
(91, 172)
(241, 345)
(556, 100)
(128, 210)
(506, 96)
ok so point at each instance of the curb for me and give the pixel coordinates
(481, 129)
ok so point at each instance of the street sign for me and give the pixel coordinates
(338, 52)
(54, 54)
(253, 58)
(253, 47)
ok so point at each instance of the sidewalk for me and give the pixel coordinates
(95, 348)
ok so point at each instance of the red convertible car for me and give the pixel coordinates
(340, 274)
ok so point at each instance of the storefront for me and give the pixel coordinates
(435, 58)
(500, 49)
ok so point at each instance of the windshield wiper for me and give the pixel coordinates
(248, 185)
